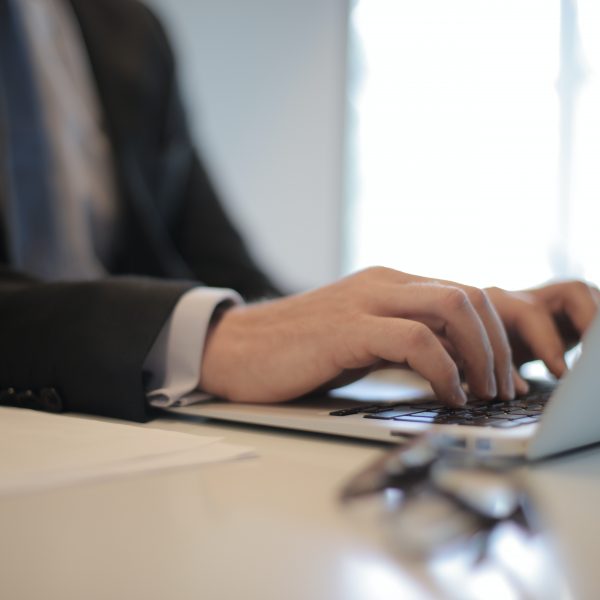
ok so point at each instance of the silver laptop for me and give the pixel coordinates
(551, 419)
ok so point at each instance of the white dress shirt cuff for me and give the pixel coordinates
(173, 363)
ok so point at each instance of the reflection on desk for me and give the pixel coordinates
(269, 528)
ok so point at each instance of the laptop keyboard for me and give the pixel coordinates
(481, 413)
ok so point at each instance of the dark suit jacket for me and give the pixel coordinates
(88, 341)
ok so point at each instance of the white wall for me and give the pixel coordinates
(264, 82)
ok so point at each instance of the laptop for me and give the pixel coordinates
(552, 418)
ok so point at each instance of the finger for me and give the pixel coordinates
(408, 342)
(518, 386)
(503, 365)
(537, 329)
(521, 386)
(448, 310)
(575, 298)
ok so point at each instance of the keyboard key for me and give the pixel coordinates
(352, 411)
(501, 415)
(374, 409)
(525, 421)
(386, 407)
(415, 419)
(419, 406)
(345, 412)
(496, 403)
(518, 412)
(479, 412)
(387, 414)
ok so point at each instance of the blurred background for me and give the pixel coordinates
(457, 139)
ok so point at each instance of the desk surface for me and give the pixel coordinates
(263, 528)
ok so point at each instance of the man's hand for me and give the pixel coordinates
(286, 348)
(545, 322)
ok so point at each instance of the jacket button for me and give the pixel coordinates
(26, 398)
(7, 396)
(50, 400)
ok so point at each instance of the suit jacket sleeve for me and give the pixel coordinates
(87, 341)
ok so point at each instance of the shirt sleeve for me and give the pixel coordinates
(173, 363)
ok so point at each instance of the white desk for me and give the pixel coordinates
(264, 528)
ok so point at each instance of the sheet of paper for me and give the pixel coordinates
(40, 450)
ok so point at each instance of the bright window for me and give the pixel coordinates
(475, 139)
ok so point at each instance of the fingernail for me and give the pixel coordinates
(510, 387)
(521, 385)
(492, 389)
(459, 398)
(560, 366)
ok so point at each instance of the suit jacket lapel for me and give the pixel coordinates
(126, 84)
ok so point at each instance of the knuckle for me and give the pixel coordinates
(529, 306)
(378, 271)
(580, 287)
(532, 310)
(478, 297)
(455, 299)
(419, 335)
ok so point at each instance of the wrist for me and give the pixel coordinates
(218, 355)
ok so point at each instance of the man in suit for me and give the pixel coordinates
(122, 277)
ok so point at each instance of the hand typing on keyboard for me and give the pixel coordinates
(500, 414)
(282, 349)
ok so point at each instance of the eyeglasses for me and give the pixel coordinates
(445, 501)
